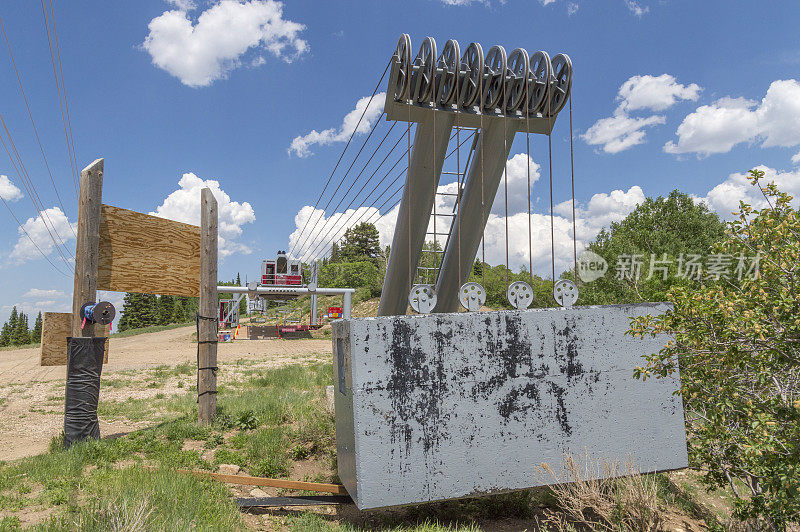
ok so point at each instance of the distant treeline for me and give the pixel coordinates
(15, 330)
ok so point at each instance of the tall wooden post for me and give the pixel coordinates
(207, 337)
(88, 242)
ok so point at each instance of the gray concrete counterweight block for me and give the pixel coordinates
(433, 407)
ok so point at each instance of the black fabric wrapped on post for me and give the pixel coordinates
(84, 365)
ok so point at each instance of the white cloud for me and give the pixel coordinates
(463, 2)
(636, 8)
(183, 205)
(34, 293)
(724, 198)
(597, 213)
(718, 127)
(198, 54)
(796, 158)
(183, 5)
(620, 132)
(301, 145)
(8, 190)
(655, 93)
(39, 231)
(572, 8)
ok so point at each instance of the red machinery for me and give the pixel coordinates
(281, 272)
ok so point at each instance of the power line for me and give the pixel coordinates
(313, 248)
(19, 166)
(73, 164)
(31, 239)
(341, 181)
(343, 152)
(33, 123)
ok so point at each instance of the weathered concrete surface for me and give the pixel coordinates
(432, 407)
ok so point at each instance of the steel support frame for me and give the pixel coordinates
(422, 179)
(346, 293)
(488, 158)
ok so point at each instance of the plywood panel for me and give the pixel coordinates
(55, 329)
(148, 255)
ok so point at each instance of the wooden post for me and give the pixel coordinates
(207, 337)
(88, 242)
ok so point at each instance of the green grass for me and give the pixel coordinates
(23, 346)
(151, 329)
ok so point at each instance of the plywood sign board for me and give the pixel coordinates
(433, 407)
(147, 254)
(56, 327)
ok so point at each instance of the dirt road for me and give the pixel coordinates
(32, 397)
(147, 350)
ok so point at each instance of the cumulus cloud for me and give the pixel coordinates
(796, 158)
(718, 127)
(200, 53)
(301, 145)
(183, 205)
(8, 190)
(35, 293)
(620, 132)
(654, 93)
(39, 229)
(724, 198)
(591, 217)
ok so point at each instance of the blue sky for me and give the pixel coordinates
(667, 94)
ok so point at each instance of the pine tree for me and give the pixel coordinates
(149, 310)
(238, 279)
(5, 335)
(12, 320)
(36, 332)
(21, 335)
(166, 310)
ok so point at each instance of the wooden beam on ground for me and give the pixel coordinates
(56, 326)
(244, 480)
(207, 337)
(147, 255)
(86, 248)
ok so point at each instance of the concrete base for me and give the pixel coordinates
(433, 407)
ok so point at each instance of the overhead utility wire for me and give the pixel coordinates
(33, 123)
(380, 81)
(367, 182)
(56, 268)
(64, 87)
(30, 189)
(337, 234)
(355, 180)
(73, 165)
(314, 247)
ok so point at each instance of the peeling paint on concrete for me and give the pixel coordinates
(446, 405)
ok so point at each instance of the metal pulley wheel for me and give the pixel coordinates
(471, 296)
(565, 293)
(560, 85)
(520, 295)
(494, 74)
(447, 73)
(539, 74)
(400, 72)
(424, 72)
(422, 298)
(470, 74)
(516, 79)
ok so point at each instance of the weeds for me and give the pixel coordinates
(604, 497)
